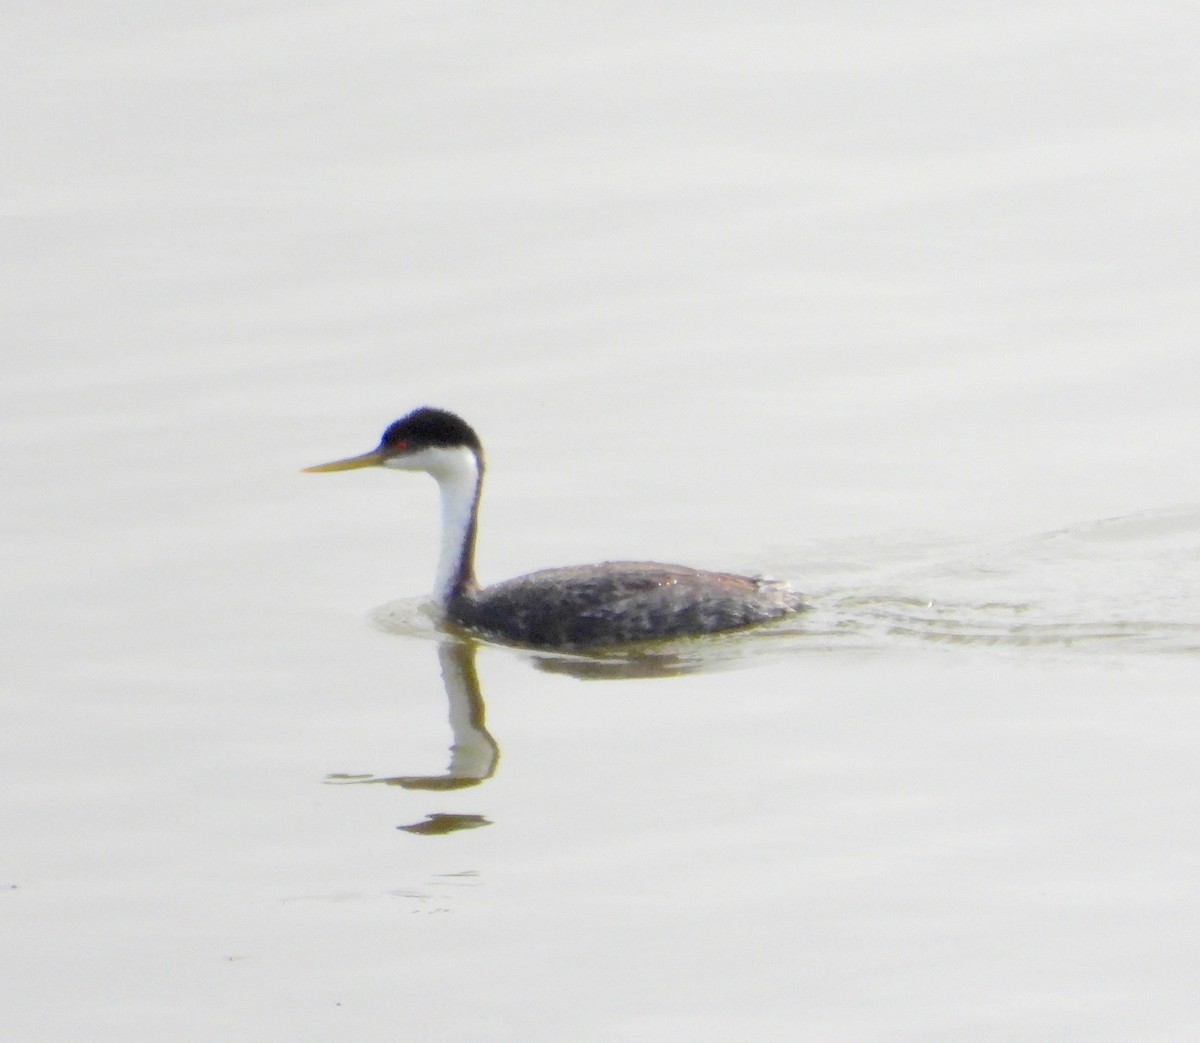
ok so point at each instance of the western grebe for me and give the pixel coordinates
(575, 608)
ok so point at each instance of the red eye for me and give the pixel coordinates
(398, 447)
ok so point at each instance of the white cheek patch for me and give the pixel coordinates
(421, 460)
(445, 463)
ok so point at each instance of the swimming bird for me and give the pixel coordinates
(577, 608)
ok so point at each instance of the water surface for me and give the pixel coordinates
(895, 304)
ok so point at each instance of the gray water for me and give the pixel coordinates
(897, 304)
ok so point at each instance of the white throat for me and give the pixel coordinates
(457, 473)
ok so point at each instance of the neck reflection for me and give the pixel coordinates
(474, 753)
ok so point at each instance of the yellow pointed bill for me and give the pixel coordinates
(372, 459)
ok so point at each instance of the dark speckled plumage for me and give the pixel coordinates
(619, 602)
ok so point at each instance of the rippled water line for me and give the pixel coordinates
(1116, 586)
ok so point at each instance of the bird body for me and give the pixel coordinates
(620, 602)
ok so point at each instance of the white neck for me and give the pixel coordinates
(458, 472)
(457, 475)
